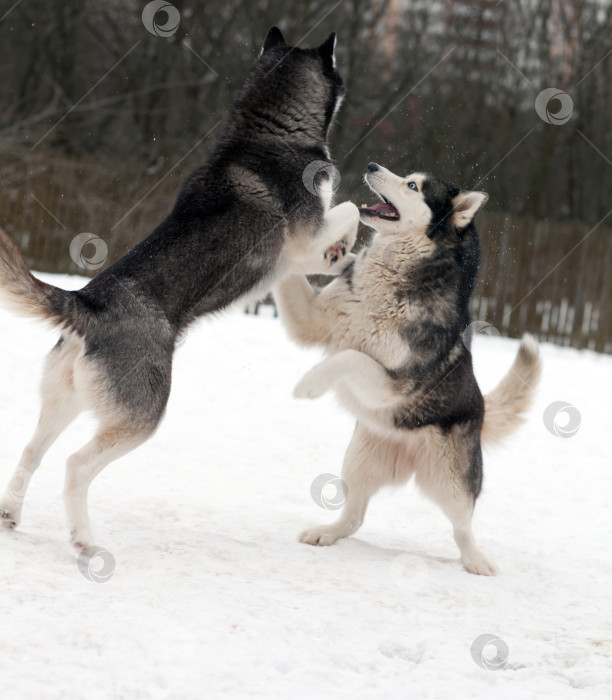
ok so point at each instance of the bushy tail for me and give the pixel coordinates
(506, 404)
(22, 293)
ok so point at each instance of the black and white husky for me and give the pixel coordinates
(394, 325)
(240, 223)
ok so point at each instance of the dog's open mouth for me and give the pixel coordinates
(383, 210)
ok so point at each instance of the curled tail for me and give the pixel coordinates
(21, 292)
(506, 404)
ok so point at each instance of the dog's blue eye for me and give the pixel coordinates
(413, 186)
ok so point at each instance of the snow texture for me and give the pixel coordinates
(212, 595)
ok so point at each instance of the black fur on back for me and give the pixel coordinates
(226, 230)
(225, 234)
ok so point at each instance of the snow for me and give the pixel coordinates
(212, 595)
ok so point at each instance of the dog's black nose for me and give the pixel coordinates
(373, 167)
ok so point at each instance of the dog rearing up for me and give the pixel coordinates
(394, 326)
(240, 223)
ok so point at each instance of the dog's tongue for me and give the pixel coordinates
(384, 209)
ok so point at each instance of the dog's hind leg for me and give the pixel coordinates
(110, 442)
(453, 482)
(59, 408)
(370, 463)
(128, 395)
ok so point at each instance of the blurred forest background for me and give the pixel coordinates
(101, 118)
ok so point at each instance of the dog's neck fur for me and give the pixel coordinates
(302, 117)
(395, 250)
(416, 261)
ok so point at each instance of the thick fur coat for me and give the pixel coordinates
(396, 327)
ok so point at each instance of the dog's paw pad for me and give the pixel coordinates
(6, 517)
(78, 542)
(335, 253)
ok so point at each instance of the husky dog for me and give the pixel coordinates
(240, 223)
(394, 325)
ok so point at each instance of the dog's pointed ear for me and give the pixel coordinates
(328, 50)
(465, 207)
(275, 38)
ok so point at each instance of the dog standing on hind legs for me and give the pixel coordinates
(240, 223)
(394, 326)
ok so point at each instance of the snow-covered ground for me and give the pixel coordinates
(212, 595)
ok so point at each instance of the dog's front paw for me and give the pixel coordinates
(347, 211)
(8, 519)
(335, 253)
(311, 385)
(350, 224)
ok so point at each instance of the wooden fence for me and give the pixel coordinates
(551, 278)
(45, 203)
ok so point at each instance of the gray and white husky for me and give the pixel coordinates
(396, 325)
(240, 223)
